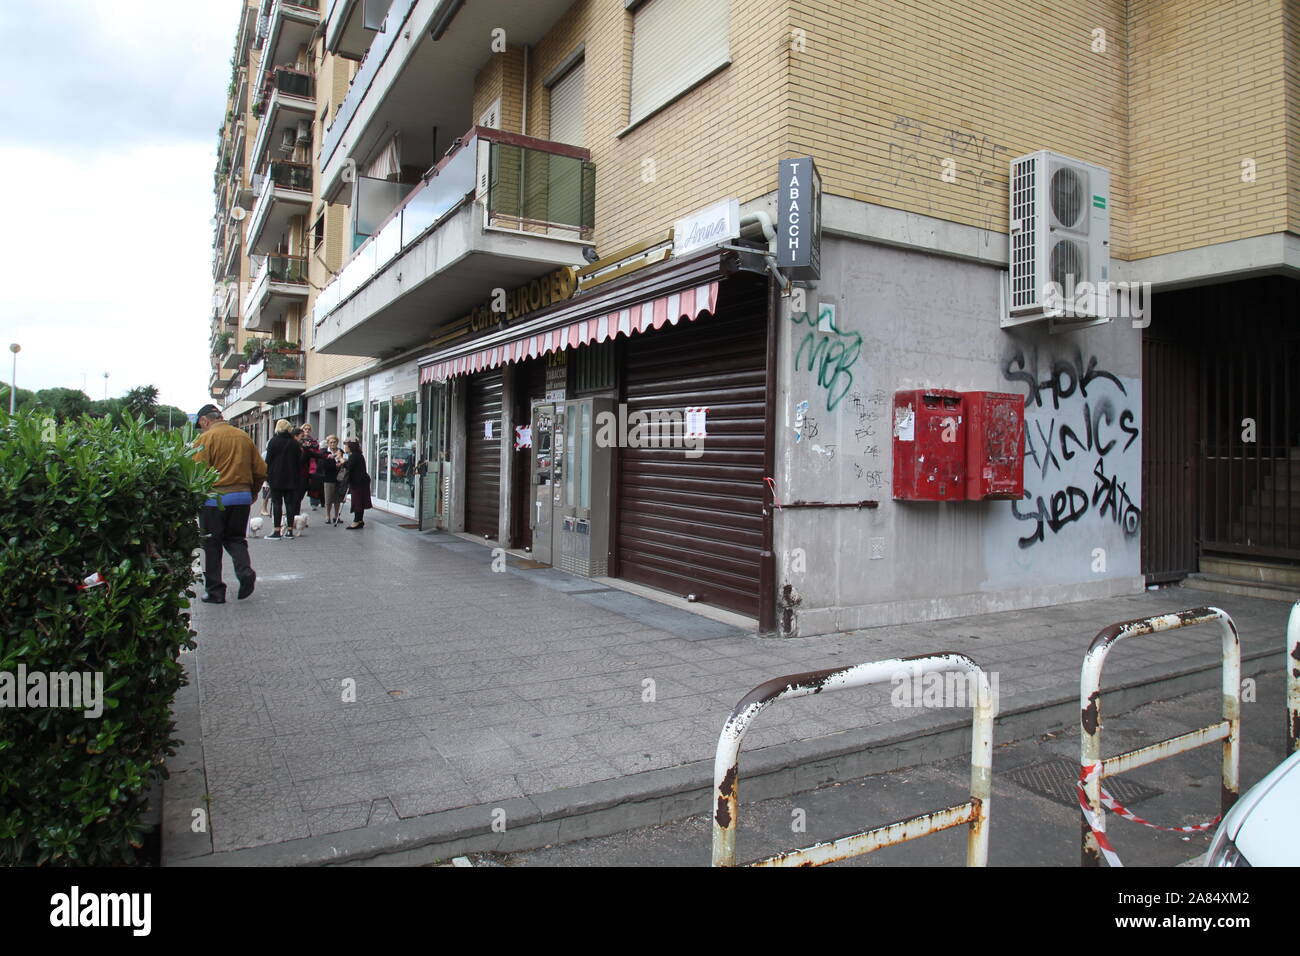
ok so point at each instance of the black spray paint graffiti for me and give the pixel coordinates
(1095, 426)
(831, 355)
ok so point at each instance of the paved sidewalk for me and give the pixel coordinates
(473, 688)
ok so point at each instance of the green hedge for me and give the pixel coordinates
(83, 497)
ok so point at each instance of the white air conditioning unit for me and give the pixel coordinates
(1059, 242)
(288, 139)
(303, 133)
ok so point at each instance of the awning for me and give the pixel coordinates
(650, 298)
(670, 309)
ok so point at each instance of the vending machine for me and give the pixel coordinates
(571, 473)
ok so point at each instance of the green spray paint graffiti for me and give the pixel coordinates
(830, 352)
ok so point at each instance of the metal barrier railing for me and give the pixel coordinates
(1292, 664)
(974, 812)
(1093, 769)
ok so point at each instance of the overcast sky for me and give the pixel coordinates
(108, 139)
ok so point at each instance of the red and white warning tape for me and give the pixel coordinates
(1098, 826)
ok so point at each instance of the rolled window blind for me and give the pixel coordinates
(675, 43)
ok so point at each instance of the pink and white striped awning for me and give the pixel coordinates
(654, 314)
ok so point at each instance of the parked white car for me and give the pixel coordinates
(1263, 828)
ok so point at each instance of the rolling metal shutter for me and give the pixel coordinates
(483, 455)
(695, 525)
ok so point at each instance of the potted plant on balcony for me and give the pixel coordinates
(254, 348)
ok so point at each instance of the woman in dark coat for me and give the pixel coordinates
(283, 468)
(358, 484)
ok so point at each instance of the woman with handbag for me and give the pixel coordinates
(358, 484)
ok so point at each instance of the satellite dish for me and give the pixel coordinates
(238, 213)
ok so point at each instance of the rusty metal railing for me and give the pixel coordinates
(1293, 680)
(974, 812)
(1093, 769)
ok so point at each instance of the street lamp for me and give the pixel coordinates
(105, 386)
(13, 380)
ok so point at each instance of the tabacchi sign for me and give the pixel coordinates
(799, 218)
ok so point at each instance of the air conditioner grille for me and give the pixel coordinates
(1067, 263)
(1067, 192)
(1023, 265)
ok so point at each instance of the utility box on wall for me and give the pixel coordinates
(995, 445)
(929, 445)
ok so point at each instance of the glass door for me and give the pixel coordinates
(381, 412)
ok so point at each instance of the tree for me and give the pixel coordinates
(169, 416)
(24, 397)
(142, 400)
(110, 408)
(66, 403)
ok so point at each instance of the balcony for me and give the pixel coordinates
(391, 91)
(287, 26)
(275, 375)
(227, 260)
(285, 192)
(278, 282)
(350, 23)
(286, 107)
(499, 212)
(219, 382)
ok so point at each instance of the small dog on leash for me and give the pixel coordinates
(255, 526)
(299, 522)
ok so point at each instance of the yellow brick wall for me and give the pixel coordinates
(885, 93)
(1207, 91)
(1291, 29)
(721, 139)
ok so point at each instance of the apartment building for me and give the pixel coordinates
(547, 224)
(276, 240)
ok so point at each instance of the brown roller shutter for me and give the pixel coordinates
(483, 455)
(695, 525)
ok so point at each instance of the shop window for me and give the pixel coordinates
(675, 45)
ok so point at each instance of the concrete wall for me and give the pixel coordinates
(907, 319)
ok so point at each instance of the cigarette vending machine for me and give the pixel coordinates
(571, 485)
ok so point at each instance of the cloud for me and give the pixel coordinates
(92, 76)
(107, 144)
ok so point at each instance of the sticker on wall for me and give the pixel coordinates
(800, 411)
(523, 436)
(826, 317)
(489, 428)
(695, 421)
(904, 423)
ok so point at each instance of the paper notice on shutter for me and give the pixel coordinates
(487, 428)
(695, 422)
(904, 423)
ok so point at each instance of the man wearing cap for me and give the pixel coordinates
(224, 520)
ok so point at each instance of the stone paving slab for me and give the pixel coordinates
(383, 675)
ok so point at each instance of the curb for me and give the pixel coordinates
(645, 799)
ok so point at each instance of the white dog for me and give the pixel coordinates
(255, 525)
(299, 522)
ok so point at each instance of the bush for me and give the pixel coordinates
(84, 497)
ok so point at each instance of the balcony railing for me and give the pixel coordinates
(534, 187)
(286, 364)
(281, 268)
(534, 190)
(289, 175)
(291, 82)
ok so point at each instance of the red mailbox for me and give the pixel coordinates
(929, 445)
(995, 445)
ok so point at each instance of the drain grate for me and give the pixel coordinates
(415, 525)
(527, 564)
(1055, 779)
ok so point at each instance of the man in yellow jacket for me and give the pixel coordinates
(224, 520)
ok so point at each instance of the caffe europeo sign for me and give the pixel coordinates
(799, 218)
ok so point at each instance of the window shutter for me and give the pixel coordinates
(675, 43)
(566, 108)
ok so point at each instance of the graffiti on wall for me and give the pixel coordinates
(1080, 430)
(829, 353)
(925, 154)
